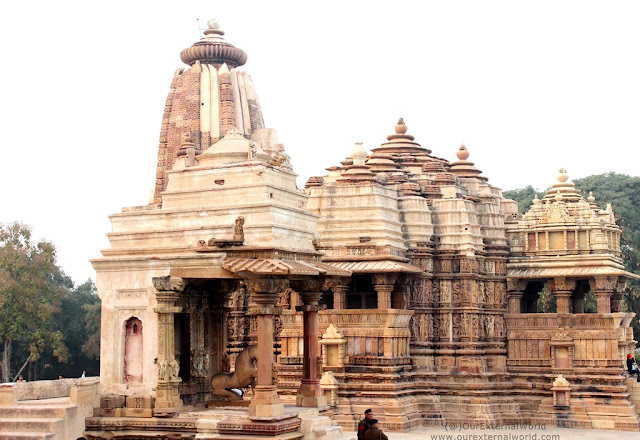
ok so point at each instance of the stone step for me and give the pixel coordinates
(30, 424)
(42, 411)
(6, 435)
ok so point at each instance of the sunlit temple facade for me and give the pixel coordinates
(399, 281)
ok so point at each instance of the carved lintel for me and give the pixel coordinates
(168, 284)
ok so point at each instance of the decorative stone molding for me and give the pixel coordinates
(329, 385)
(333, 348)
(561, 393)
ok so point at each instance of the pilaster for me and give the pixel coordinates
(168, 399)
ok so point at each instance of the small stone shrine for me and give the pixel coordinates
(398, 281)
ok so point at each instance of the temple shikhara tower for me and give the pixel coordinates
(398, 281)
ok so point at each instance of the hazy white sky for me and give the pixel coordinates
(528, 86)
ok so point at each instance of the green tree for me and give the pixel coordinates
(524, 197)
(78, 319)
(30, 292)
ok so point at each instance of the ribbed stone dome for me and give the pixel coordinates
(213, 49)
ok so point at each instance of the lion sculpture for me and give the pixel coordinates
(223, 384)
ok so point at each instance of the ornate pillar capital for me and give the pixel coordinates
(562, 284)
(603, 283)
(169, 284)
(516, 285)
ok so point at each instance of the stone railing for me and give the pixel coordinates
(80, 391)
(372, 335)
(568, 341)
(584, 321)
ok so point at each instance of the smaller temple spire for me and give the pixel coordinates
(358, 171)
(401, 142)
(464, 167)
(564, 188)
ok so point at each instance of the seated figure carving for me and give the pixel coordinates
(223, 384)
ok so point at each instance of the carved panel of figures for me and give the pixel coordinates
(475, 326)
(457, 322)
(465, 265)
(444, 326)
(284, 299)
(488, 326)
(465, 326)
(499, 327)
(455, 291)
(466, 291)
(436, 291)
(436, 326)
(237, 299)
(500, 294)
(445, 292)
(489, 287)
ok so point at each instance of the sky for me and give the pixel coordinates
(528, 86)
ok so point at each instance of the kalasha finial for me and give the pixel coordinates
(536, 200)
(562, 175)
(591, 198)
(463, 153)
(401, 128)
(213, 23)
(358, 154)
(558, 196)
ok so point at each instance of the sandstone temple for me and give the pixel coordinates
(399, 281)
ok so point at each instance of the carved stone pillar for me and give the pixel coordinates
(617, 297)
(603, 287)
(515, 291)
(562, 289)
(383, 285)
(167, 395)
(310, 394)
(265, 294)
(340, 296)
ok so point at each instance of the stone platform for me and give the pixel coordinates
(222, 423)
